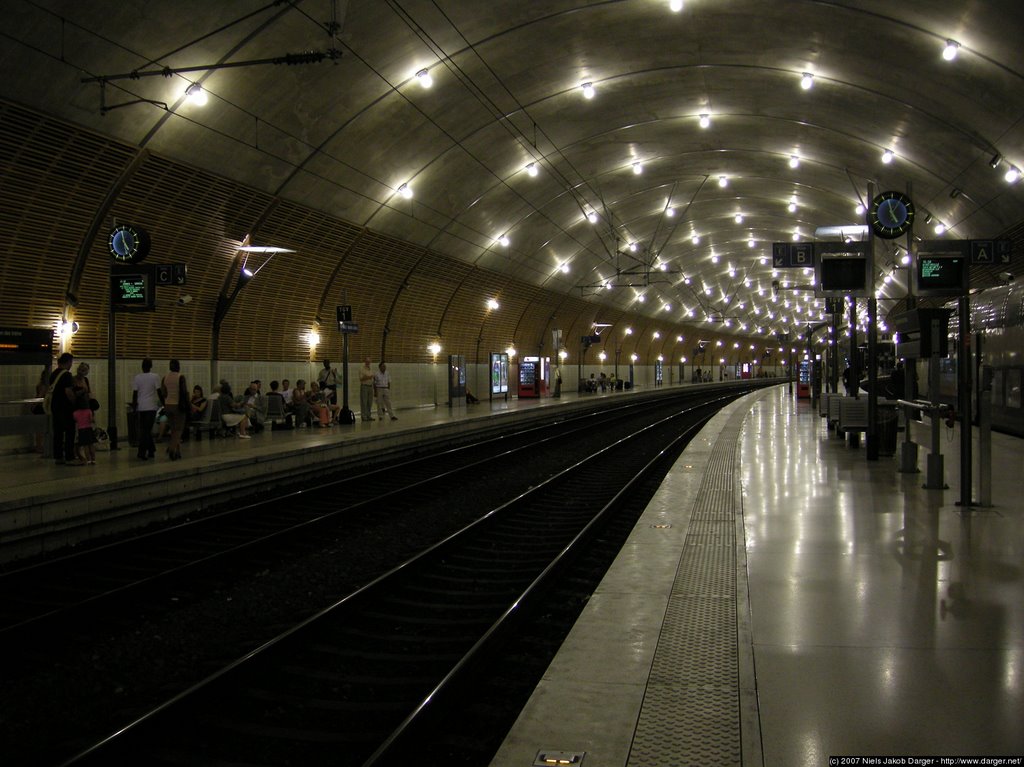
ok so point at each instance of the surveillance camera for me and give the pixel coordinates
(185, 299)
(1006, 277)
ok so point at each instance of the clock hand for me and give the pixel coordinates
(892, 215)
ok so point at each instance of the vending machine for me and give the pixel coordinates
(803, 382)
(533, 376)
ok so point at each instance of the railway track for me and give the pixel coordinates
(360, 682)
(39, 595)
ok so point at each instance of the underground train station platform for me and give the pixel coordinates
(45, 507)
(784, 601)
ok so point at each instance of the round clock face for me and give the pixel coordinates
(128, 244)
(891, 215)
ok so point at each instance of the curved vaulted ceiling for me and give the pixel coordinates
(344, 134)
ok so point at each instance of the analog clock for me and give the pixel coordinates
(891, 214)
(128, 244)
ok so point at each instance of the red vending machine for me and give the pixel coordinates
(533, 376)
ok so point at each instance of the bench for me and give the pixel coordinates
(832, 409)
(210, 421)
(853, 417)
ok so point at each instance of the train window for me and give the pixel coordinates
(1013, 387)
(997, 388)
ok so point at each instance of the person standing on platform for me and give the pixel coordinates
(176, 405)
(86, 431)
(328, 380)
(366, 391)
(382, 388)
(61, 396)
(145, 403)
(558, 382)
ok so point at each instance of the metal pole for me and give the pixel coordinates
(963, 369)
(985, 437)
(112, 375)
(934, 478)
(854, 367)
(871, 441)
(346, 415)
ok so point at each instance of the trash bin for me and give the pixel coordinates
(887, 429)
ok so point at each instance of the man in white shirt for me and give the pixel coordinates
(382, 388)
(366, 375)
(145, 402)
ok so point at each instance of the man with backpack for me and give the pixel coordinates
(59, 402)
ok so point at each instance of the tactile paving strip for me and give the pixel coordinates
(691, 711)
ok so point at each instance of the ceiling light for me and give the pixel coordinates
(425, 79)
(670, 212)
(794, 161)
(705, 121)
(739, 218)
(695, 239)
(492, 303)
(1012, 175)
(906, 259)
(504, 240)
(791, 207)
(951, 49)
(860, 209)
(196, 95)
(714, 258)
(762, 260)
(675, 5)
(750, 242)
(264, 249)
(641, 298)
(887, 156)
(928, 218)
(806, 81)
(532, 169)
(994, 162)
(564, 268)
(638, 168)
(406, 191)
(723, 181)
(940, 228)
(588, 90)
(632, 247)
(592, 217)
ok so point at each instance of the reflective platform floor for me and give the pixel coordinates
(784, 600)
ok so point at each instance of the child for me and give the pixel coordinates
(86, 435)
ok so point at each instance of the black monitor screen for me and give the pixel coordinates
(941, 276)
(132, 290)
(847, 275)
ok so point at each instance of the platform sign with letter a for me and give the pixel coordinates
(994, 252)
(983, 252)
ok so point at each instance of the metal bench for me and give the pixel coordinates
(210, 422)
(853, 417)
